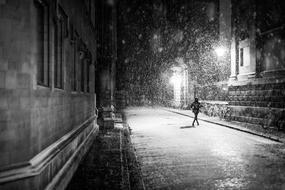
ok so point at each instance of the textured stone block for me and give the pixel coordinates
(2, 2)
(37, 116)
(23, 80)
(2, 79)
(14, 65)
(3, 63)
(3, 102)
(4, 114)
(25, 102)
(108, 123)
(11, 80)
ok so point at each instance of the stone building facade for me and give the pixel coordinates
(47, 90)
(106, 24)
(257, 55)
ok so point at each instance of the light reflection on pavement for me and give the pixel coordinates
(173, 155)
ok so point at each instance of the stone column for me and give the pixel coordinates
(225, 29)
(252, 67)
(225, 22)
(273, 53)
(247, 49)
(234, 73)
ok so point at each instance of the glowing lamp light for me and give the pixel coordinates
(175, 80)
(220, 51)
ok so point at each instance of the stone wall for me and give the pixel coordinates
(41, 122)
(216, 109)
(260, 101)
(214, 92)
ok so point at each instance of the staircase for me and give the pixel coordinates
(261, 104)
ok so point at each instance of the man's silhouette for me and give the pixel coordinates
(196, 105)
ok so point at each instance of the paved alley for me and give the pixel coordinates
(174, 155)
(104, 166)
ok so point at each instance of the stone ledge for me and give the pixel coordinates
(44, 161)
(215, 102)
(60, 181)
(257, 81)
(258, 103)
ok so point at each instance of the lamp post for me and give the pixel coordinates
(176, 80)
(220, 51)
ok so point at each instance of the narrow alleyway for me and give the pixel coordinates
(174, 155)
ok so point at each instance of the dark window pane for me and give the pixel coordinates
(241, 56)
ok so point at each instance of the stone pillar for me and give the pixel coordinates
(186, 87)
(108, 57)
(247, 44)
(252, 68)
(225, 30)
(247, 56)
(225, 22)
(273, 53)
(234, 73)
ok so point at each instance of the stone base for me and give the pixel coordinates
(233, 78)
(108, 123)
(108, 114)
(266, 117)
(108, 109)
(118, 118)
(259, 101)
(273, 74)
(53, 167)
(246, 76)
(108, 117)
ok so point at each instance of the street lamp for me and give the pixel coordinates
(176, 80)
(220, 51)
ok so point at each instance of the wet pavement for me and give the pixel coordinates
(174, 155)
(270, 133)
(105, 166)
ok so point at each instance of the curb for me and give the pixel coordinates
(274, 138)
(135, 173)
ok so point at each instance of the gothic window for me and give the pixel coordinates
(89, 62)
(241, 57)
(83, 66)
(75, 59)
(60, 33)
(42, 38)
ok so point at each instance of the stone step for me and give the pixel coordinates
(252, 120)
(261, 92)
(258, 98)
(256, 87)
(251, 92)
(278, 125)
(258, 104)
(258, 115)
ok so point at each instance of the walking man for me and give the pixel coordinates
(196, 105)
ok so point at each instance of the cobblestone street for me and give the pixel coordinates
(174, 155)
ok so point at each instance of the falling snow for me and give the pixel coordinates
(159, 32)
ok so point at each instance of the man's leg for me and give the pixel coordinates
(197, 118)
(194, 120)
